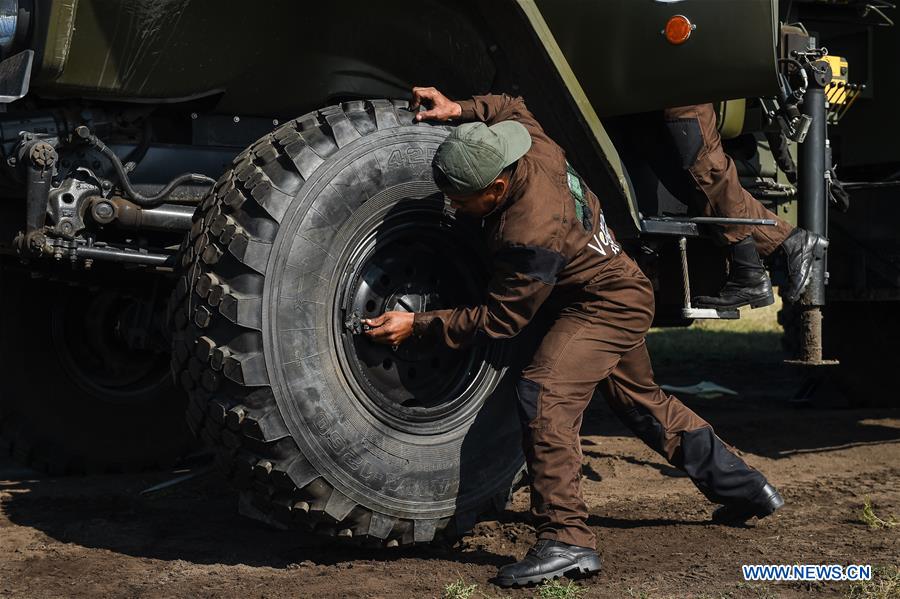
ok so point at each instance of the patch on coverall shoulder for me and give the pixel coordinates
(577, 189)
(688, 140)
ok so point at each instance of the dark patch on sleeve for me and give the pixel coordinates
(532, 261)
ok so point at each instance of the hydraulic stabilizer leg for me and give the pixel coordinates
(813, 206)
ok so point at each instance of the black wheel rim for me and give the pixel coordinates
(412, 257)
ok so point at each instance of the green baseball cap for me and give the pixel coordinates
(474, 155)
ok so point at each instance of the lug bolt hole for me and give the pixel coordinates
(370, 306)
(387, 364)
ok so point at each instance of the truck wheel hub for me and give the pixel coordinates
(410, 264)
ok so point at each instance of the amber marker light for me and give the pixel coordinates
(678, 30)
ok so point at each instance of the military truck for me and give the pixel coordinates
(175, 239)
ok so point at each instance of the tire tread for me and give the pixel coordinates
(219, 339)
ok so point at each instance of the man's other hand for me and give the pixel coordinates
(438, 106)
(391, 328)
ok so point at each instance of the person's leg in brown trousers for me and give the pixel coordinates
(683, 148)
(694, 131)
(714, 187)
(587, 344)
(676, 432)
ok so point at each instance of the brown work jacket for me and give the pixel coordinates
(548, 240)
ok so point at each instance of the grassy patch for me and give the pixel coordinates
(553, 589)
(550, 589)
(753, 590)
(885, 584)
(756, 333)
(459, 589)
(871, 520)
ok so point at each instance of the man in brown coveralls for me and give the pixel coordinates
(552, 250)
(687, 156)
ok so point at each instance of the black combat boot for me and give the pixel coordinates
(748, 282)
(801, 250)
(738, 511)
(549, 559)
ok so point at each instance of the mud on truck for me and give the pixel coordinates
(175, 240)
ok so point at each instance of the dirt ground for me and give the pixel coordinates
(99, 537)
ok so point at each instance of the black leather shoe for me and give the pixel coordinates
(801, 250)
(549, 559)
(748, 282)
(763, 504)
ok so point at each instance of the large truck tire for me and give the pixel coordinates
(335, 216)
(76, 396)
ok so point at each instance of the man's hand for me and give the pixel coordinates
(439, 107)
(391, 328)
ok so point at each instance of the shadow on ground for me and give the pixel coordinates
(196, 522)
(749, 360)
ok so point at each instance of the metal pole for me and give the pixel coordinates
(813, 205)
(685, 274)
(125, 257)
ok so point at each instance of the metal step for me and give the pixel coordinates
(689, 311)
(690, 227)
(710, 314)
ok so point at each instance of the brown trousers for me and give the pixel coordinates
(695, 134)
(601, 339)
